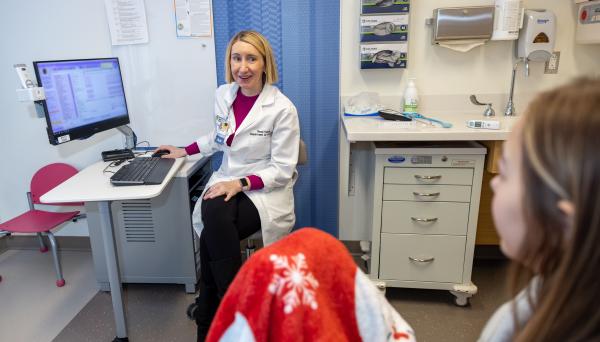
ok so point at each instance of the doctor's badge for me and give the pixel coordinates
(222, 129)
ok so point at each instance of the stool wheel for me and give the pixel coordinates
(191, 311)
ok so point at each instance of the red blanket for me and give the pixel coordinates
(305, 287)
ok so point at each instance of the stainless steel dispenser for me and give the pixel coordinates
(462, 23)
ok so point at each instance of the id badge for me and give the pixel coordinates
(220, 139)
(222, 129)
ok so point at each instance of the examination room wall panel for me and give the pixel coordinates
(305, 37)
(169, 84)
(485, 70)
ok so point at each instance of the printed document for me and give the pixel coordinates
(127, 21)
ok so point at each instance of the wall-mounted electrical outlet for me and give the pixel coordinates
(552, 64)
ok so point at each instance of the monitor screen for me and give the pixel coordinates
(83, 97)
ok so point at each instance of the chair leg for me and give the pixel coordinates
(60, 282)
(43, 247)
(250, 248)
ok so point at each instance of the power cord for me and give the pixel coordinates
(114, 163)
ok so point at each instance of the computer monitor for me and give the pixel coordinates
(83, 97)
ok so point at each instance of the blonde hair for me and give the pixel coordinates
(560, 161)
(264, 48)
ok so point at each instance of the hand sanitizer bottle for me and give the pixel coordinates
(411, 97)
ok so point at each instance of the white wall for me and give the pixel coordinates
(169, 84)
(483, 70)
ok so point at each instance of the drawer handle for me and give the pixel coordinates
(424, 194)
(419, 177)
(417, 219)
(421, 259)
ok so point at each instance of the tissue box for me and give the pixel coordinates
(383, 28)
(385, 6)
(383, 56)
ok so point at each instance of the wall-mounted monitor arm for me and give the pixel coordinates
(130, 137)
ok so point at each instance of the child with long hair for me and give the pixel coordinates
(546, 208)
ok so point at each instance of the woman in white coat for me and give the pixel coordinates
(257, 128)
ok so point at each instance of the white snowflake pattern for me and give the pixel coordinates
(294, 281)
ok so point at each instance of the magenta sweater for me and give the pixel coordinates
(241, 107)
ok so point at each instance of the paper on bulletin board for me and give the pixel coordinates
(193, 18)
(127, 21)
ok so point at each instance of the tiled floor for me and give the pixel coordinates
(32, 308)
(433, 315)
(157, 312)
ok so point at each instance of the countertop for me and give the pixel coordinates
(377, 129)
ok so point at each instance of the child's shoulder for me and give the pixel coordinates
(500, 327)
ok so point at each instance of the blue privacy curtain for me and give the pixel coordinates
(305, 38)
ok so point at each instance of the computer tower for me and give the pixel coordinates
(155, 241)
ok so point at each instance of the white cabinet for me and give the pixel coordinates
(424, 215)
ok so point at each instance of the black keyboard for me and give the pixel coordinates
(143, 170)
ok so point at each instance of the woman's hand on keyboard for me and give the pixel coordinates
(228, 189)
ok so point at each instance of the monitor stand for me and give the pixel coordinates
(130, 137)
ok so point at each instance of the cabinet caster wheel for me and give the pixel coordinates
(463, 292)
(461, 301)
(381, 286)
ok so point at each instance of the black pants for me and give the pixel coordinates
(225, 225)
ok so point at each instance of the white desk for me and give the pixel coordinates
(355, 137)
(92, 185)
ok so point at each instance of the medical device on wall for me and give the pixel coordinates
(588, 23)
(83, 97)
(29, 91)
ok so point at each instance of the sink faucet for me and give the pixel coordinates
(489, 111)
(510, 107)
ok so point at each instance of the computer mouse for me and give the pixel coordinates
(160, 153)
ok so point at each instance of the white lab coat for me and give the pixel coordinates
(266, 145)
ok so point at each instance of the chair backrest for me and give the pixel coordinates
(48, 177)
(302, 153)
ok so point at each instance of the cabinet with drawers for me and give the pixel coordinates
(425, 207)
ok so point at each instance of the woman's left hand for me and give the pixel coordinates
(229, 189)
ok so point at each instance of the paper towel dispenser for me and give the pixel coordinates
(462, 23)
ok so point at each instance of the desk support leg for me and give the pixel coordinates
(110, 251)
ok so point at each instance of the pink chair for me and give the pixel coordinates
(39, 221)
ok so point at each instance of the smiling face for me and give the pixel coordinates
(247, 68)
(507, 204)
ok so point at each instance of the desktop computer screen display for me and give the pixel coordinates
(83, 97)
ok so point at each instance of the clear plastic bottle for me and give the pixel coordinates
(411, 97)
